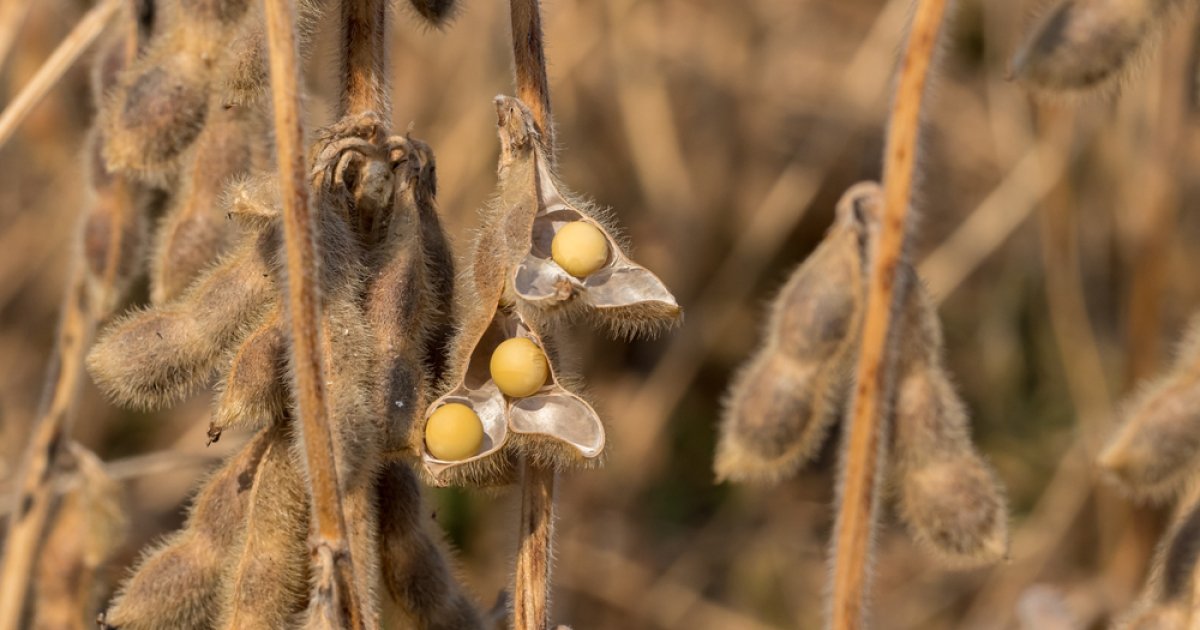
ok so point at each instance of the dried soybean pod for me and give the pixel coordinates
(1167, 598)
(253, 393)
(435, 12)
(947, 495)
(243, 74)
(416, 567)
(156, 356)
(114, 231)
(195, 230)
(266, 586)
(161, 103)
(439, 262)
(781, 404)
(1154, 453)
(1085, 44)
(178, 584)
(89, 527)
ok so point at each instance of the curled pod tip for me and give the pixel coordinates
(1086, 44)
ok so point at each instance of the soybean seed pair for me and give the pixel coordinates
(783, 402)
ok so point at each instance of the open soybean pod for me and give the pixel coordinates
(555, 255)
(782, 402)
(162, 102)
(1086, 44)
(948, 496)
(1155, 452)
(178, 584)
(539, 418)
(1167, 600)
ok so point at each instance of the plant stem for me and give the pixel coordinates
(531, 600)
(364, 59)
(304, 311)
(856, 516)
(34, 493)
(529, 61)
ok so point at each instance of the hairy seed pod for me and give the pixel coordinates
(267, 583)
(253, 393)
(1155, 451)
(243, 74)
(114, 231)
(177, 585)
(435, 12)
(438, 258)
(416, 571)
(195, 230)
(1167, 596)
(1085, 44)
(949, 498)
(161, 102)
(781, 404)
(89, 526)
(514, 256)
(157, 356)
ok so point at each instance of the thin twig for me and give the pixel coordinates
(531, 599)
(529, 60)
(12, 18)
(77, 41)
(364, 58)
(329, 529)
(859, 492)
(34, 491)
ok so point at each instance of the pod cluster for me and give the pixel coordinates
(783, 401)
(541, 258)
(386, 283)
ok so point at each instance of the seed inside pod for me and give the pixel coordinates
(519, 367)
(580, 248)
(453, 432)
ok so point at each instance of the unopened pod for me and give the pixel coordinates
(1155, 452)
(161, 102)
(552, 256)
(784, 399)
(948, 496)
(507, 403)
(1167, 599)
(1086, 44)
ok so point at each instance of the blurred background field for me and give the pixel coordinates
(1056, 236)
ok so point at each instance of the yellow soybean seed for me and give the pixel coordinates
(453, 432)
(580, 248)
(519, 367)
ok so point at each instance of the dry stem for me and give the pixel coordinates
(77, 41)
(329, 528)
(529, 59)
(34, 492)
(856, 515)
(364, 59)
(531, 599)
